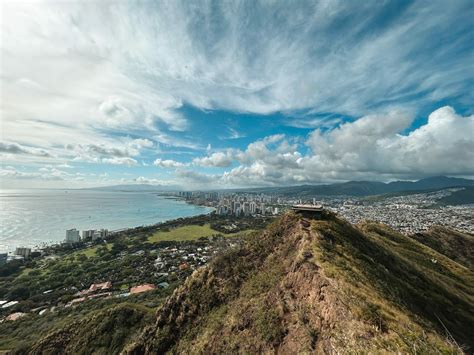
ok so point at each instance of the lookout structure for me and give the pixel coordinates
(310, 211)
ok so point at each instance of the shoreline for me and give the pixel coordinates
(44, 245)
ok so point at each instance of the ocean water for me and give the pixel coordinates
(32, 217)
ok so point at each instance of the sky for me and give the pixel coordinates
(225, 94)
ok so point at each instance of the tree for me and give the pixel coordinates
(18, 293)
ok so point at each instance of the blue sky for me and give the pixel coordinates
(204, 94)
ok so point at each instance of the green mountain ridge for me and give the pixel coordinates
(369, 188)
(309, 286)
(350, 188)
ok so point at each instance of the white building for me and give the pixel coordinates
(87, 234)
(253, 208)
(72, 236)
(24, 252)
(246, 208)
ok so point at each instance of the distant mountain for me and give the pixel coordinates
(137, 187)
(368, 188)
(436, 182)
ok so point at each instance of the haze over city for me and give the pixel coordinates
(235, 94)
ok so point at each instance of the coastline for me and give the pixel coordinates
(153, 214)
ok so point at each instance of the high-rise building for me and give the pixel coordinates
(253, 208)
(24, 252)
(222, 210)
(3, 258)
(104, 233)
(237, 210)
(87, 234)
(246, 208)
(96, 236)
(72, 236)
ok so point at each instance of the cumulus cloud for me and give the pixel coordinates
(109, 154)
(120, 161)
(218, 159)
(94, 74)
(368, 148)
(444, 145)
(168, 163)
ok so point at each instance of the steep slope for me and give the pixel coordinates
(104, 332)
(458, 246)
(319, 286)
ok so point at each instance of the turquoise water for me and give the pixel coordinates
(33, 217)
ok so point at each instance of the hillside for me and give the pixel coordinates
(103, 332)
(460, 197)
(456, 245)
(319, 286)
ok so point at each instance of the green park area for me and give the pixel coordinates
(187, 232)
(92, 251)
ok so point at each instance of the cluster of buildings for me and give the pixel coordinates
(235, 204)
(105, 290)
(182, 258)
(409, 214)
(20, 253)
(73, 236)
(168, 264)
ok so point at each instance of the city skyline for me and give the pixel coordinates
(234, 94)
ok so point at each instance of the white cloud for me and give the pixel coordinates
(108, 154)
(371, 147)
(168, 163)
(176, 142)
(82, 68)
(92, 74)
(141, 143)
(218, 159)
(197, 178)
(120, 161)
(444, 145)
(15, 148)
(152, 181)
(44, 173)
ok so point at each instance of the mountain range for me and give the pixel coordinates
(368, 188)
(351, 188)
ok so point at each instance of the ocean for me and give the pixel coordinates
(32, 217)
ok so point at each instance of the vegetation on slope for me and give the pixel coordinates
(20, 335)
(456, 245)
(460, 197)
(309, 286)
(104, 332)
